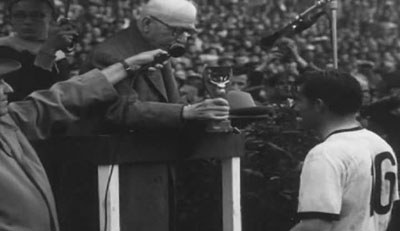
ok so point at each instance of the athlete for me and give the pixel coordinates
(349, 181)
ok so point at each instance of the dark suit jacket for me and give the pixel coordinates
(148, 100)
(148, 103)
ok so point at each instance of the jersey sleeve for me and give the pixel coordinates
(321, 188)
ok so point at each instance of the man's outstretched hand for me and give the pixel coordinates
(209, 109)
(146, 57)
(117, 72)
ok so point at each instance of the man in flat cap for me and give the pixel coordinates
(26, 198)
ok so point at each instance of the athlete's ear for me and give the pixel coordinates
(319, 105)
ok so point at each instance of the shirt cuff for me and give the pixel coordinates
(45, 60)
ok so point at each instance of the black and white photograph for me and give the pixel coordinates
(200, 115)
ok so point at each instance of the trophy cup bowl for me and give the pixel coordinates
(216, 80)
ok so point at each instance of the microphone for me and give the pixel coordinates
(175, 50)
(66, 23)
(302, 22)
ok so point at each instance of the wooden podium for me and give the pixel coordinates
(133, 174)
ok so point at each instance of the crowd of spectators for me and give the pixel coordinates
(229, 33)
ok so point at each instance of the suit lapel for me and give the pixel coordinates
(170, 84)
(140, 45)
(156, 79)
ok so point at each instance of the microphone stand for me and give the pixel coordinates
(67, 6)
(333, 6)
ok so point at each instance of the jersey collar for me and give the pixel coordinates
(344, 130)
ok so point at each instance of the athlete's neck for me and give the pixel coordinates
(334, 123)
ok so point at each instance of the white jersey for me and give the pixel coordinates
(350, 179)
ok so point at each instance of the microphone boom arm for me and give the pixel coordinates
(293, 27)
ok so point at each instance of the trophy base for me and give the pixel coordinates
(219, 126)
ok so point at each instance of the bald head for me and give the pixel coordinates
(166, 22)
(176, 13)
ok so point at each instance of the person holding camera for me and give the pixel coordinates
(37, 44)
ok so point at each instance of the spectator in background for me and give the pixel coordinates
(35, 46)
(180, 77)
(195, 80)
(190, 93)
(238, 81)
(367, 69)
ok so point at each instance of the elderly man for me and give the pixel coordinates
(151, 101)
(154, 95)
(26, 199)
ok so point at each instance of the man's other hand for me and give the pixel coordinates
(209, 109)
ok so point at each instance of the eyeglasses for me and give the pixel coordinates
(176, 31)
(34, 15)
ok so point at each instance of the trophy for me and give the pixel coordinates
(216, 79)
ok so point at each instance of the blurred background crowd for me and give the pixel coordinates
(229, 34)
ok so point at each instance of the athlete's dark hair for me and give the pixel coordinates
(340, 91)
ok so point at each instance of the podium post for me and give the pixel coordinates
(231, 208)
(108, 181)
